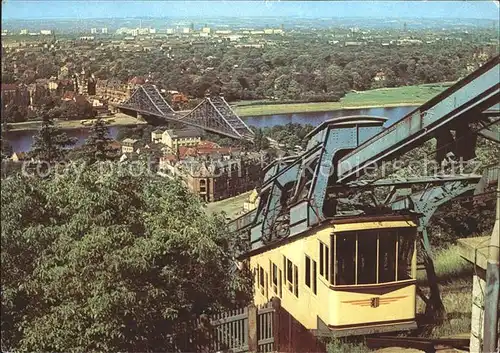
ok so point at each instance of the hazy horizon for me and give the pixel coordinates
(68, 10)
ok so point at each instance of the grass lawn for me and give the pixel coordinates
(382, 97)
(115, 120)
(231, 206)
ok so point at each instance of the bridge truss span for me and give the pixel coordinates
(147, 98)
(213, 114)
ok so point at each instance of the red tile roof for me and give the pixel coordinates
(208, 144)
(137, 80)
(69, 95)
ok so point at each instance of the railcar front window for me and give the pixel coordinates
(346, 259)
(406, 247)
(387, 257)
(367, 258)
(371, 257)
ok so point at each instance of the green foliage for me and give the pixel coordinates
(6, 151)
(97, 146)
(108, 261)
(291, 135)
(50, 142)
(448, 265)
(260, 141)
(347, 345)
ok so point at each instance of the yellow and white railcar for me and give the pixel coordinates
(348, 276)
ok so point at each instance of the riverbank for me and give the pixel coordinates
(114, 120)
(376, 98)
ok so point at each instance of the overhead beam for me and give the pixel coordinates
(478, 91)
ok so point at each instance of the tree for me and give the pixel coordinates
(6, 147)
(109, 261)
(97, 146)
(50, 142)
(260, 141)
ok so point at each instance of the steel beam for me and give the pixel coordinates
(478, 91)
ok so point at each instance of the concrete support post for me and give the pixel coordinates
(492, 285)
(252, 329)
(477, 312)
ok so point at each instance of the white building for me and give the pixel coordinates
(205, 30)
(104, 30)
(170, 31)
(152, 31)
(156, 136)
(93, 30)
(186, 30)
(24, 32)
(46, 32)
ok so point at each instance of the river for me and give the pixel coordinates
(21, 141)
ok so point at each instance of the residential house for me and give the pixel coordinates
(156, 136)
(176, 138)
(214, 177)
(129, 145)
(112, 90)
(380, 76)
(15, 94)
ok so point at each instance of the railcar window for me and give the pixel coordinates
(314, 276)
(346, 259)
(367, 257)
(324, 260)
(289, 275)
(307, 274)
(296, 280)
(280, 285)
(387, 257)
(284, 269)
(359, 255)
(321, 254)
(406, 247)
(274, 277)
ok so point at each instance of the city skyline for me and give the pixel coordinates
(41, 10)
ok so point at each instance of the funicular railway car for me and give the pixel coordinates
(349, 276)
(338, 246)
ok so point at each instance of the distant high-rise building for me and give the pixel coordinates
(104, 30)
(93, 30)
(405, 27)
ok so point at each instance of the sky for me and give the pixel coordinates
(33, 9)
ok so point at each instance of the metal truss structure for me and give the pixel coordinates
(330, 178)
(299, 193)
(212, 114)
(148, 99)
